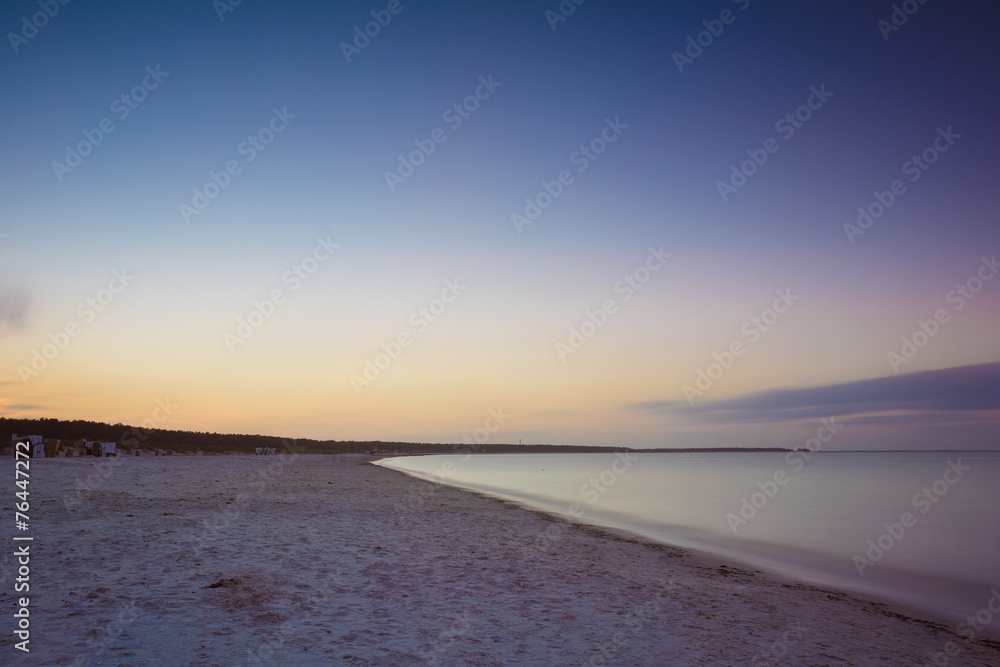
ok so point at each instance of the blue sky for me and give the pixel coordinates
(345, 124)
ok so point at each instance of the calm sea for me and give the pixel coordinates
(922, 528)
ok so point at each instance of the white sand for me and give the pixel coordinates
(326, 563)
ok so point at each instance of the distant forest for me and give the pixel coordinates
(134, 437)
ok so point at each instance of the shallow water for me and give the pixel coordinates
(921, 528)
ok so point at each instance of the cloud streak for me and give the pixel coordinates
(949, 390)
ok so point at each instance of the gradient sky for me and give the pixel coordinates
(496, 346)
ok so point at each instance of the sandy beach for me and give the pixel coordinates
(315, 560)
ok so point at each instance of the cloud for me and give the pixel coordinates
(13, 309)
(949, 390)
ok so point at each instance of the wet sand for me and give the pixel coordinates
(311, 560)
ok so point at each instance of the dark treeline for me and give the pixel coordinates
(133, 436)
(129, 437)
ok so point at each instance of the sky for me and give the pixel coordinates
(645, 224)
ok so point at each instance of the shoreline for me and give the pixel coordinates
(946, 593)
(316, 559)
(714, 559)
(708, 559)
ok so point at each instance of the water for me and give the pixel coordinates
(931, 517)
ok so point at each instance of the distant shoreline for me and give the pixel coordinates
(130, 438)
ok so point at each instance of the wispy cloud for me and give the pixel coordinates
(13, 309)
(25, 407)
(903, 397)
